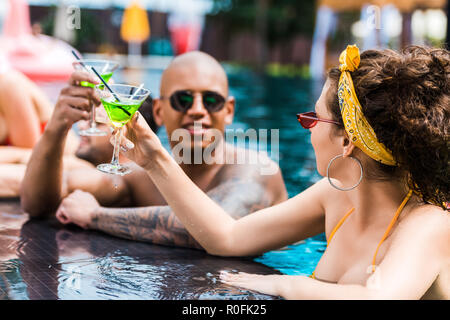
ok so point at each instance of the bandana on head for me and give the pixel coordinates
(359, 130)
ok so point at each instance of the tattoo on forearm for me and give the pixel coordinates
(159, 225)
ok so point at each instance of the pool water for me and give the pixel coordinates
(41, 260)
(264, 102)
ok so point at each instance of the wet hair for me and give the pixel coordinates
(406, 99)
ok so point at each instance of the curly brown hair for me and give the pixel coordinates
(406, 99)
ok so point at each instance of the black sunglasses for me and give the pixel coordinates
(182, 100)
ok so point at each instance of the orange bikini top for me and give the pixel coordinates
(386, 233)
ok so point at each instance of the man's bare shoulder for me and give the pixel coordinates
(249, 163)
(137, 173)
(142, 189)
(253, 168)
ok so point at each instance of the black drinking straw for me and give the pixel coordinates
(100, 77)
(106, 85)
(79, 59)
(110, 90)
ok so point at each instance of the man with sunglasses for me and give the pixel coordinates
(193, 100)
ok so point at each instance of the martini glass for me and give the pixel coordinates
(106, 69)
(120, 107)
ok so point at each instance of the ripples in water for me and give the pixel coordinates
(297, 259)
(124, 277)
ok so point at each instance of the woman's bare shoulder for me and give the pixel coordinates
(332, 202)
(335, 202)
(429, 215)
(428, 223)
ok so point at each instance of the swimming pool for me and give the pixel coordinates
(264, 102)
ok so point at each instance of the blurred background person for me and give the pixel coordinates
(88, 153)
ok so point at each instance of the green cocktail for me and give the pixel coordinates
(120, 112)
(106, 69)
(120, 107)
(105, 76)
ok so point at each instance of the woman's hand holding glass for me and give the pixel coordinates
(140, 144)
(121, 102)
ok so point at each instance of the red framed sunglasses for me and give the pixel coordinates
(309, 119)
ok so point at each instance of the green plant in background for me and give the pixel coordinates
(278, 20)
(48, 22)
(272, 22)
(87, 38)
(287, 70)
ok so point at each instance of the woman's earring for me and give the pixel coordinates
(339, 188)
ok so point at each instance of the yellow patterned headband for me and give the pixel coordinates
(359, 130)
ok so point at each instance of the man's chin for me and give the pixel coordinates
(202, 145)
(80, 154)
(194, 152)
(86, 156)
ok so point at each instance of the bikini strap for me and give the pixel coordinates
(386, 233)
(313, 276)
(339, 225)
(388, 230)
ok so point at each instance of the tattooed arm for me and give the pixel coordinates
(155, 224)
(239, 196)
(158, 224)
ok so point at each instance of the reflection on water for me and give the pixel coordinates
(10, 278)
(51, 262)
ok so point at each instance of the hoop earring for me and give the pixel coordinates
(352, 187)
